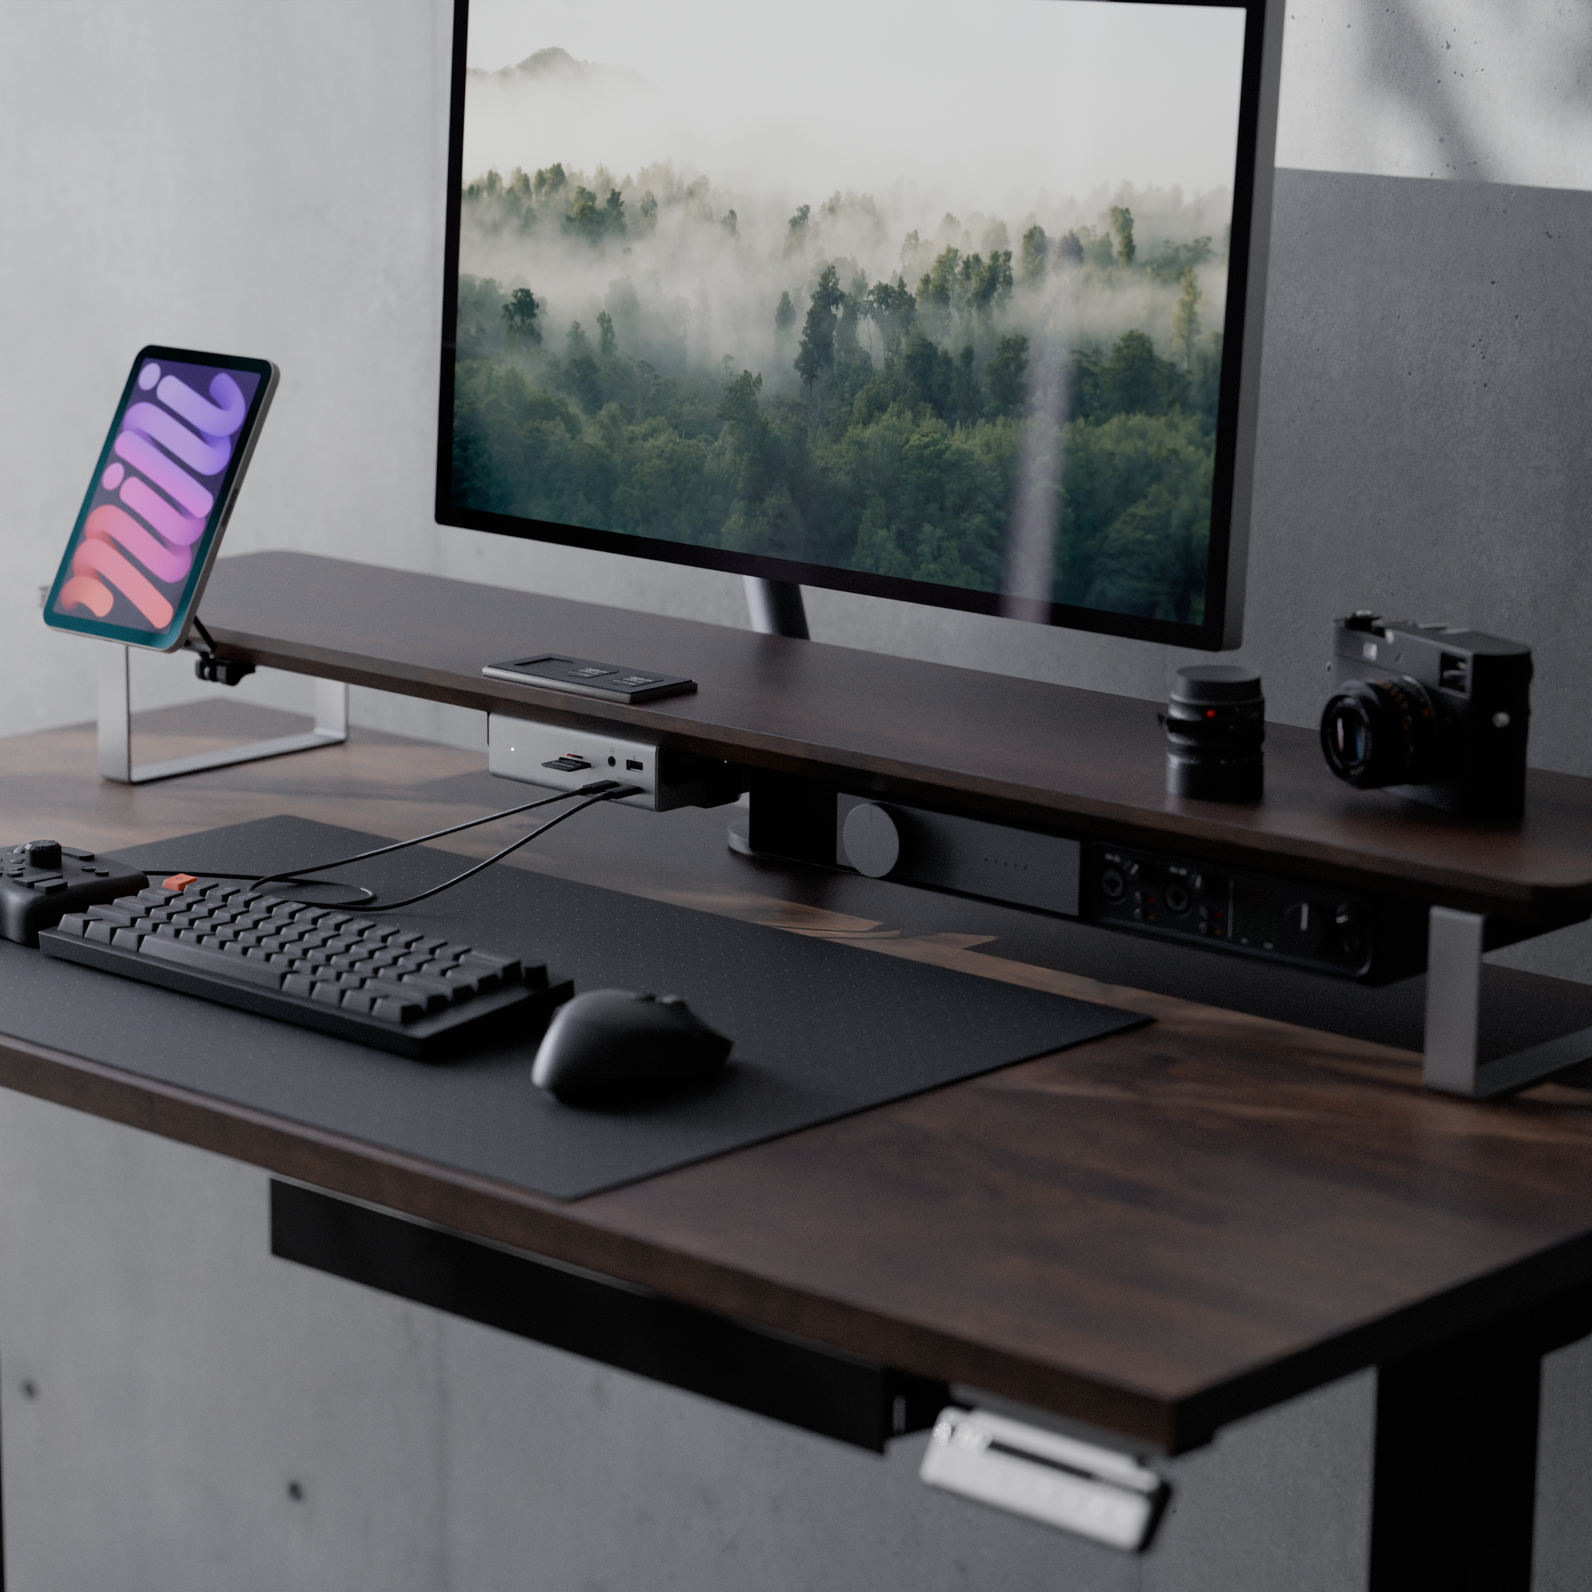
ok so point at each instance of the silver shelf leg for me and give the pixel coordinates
(1453, 1008)
(116, 730)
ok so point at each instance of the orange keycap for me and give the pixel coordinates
(178, 881)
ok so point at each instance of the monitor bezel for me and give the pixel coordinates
(1237, 405)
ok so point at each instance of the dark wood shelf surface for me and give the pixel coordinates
(1156, 1233)
(1080, 763)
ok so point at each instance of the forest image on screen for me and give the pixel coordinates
(931, 292)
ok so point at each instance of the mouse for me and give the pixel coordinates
(614, 1047)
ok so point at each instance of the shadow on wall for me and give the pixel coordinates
(1483, 90)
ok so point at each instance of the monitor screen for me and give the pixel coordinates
(936, 301)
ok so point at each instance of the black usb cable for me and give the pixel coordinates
(601, 791)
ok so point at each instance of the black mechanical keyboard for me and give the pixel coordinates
(375, 981)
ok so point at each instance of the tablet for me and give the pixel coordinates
(163, 490)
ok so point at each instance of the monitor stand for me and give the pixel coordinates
(777, 610)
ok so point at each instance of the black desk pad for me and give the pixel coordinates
(821, 1030)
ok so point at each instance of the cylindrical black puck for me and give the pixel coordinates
(1215, 728)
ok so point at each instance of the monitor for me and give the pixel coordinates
(947, 302)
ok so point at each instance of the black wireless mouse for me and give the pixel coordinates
(611, 1047)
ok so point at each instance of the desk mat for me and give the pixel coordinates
(820, 1030)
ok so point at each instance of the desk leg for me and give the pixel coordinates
(1454, 1498)
(1455, 1491)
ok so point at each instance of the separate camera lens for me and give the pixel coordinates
(1215, 728)
(1380, 732)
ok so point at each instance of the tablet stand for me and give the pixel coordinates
(116, 729)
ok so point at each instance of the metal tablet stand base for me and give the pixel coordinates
(116, 730)
(777, 610)
(1453, 1005)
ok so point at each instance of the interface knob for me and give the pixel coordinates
(871, 840)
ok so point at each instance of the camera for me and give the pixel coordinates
(1435, 714)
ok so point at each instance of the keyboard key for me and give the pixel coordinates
(390, 989)
(397, 1011)
(245, 947)
(434, 986)
(203, 961)
(508, 966)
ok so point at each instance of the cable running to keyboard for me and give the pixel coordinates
(599, 791)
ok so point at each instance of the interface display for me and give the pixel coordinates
(146, 534)
(924, 300)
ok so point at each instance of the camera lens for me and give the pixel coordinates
(1215, 726)
(1380, 732)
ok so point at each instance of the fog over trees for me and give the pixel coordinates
(848, 379)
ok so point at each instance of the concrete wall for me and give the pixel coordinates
(269, 177)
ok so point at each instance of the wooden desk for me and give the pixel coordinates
(1155, 1234)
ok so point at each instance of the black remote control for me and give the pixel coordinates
(42, 880)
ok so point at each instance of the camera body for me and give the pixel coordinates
(1434, 714)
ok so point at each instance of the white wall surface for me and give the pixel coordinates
(268, 178)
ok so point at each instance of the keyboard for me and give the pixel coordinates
(372, 980)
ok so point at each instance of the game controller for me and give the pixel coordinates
(42, 880)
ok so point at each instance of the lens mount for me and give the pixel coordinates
(1381, 732)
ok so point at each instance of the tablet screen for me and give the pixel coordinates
(147, 532)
